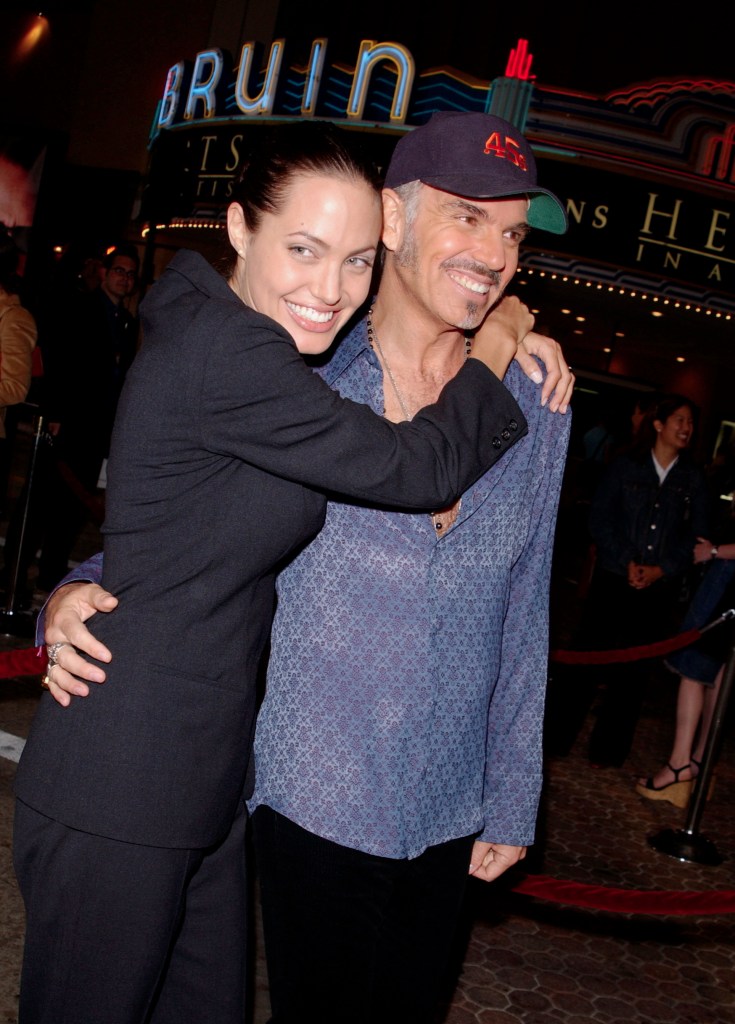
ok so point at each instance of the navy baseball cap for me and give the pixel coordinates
(478, 156)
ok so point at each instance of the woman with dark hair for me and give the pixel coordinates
(129, 838)
(700, 666)
(651, 505)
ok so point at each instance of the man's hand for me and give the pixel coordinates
(489, 860)
(64, 616)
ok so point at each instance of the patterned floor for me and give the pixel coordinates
(528, 960)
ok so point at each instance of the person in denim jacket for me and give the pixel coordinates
(651, 505)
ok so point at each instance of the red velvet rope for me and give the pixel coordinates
(28, 661)
(628, 901)
(32, 661)
(656, 650)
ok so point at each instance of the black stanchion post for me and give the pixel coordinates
(12, 621)
(687, 844)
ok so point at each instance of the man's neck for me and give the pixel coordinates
(417, 352)
(411, 335)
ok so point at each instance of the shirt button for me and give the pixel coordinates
(497, 442)
(653, 526)
(650, 547)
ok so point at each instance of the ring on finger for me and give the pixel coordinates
(52, 651)
(46, 678)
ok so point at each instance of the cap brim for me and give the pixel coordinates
(547, 213)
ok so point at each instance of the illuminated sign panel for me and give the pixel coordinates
(614, 219)
(380, 87)
(629, 215)
(643, 225)
(192, 170)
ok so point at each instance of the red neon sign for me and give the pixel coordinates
(519, 62)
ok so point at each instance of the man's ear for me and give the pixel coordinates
(237, 229)
(394, 220)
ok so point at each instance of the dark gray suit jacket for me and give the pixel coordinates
(222, 439)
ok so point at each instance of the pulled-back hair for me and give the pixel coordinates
(281, 153)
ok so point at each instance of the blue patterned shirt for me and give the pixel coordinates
(406, 682)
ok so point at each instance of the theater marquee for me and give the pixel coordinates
(637, 197)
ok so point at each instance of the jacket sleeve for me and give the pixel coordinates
(260, 402)
(513, 764)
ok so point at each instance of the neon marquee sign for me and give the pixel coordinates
(213, 88)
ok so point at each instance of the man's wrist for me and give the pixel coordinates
(714, 551)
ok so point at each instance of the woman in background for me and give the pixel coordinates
(701, 667)
(649, 508)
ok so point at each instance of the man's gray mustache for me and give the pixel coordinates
(473, 268)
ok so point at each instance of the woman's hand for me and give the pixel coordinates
(64, 616)
(559, 382)
(501, 332)
(507, 334)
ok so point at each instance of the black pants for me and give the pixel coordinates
(118, 933)
(615, 616)
(354, 937)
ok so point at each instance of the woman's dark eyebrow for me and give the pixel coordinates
(307, 237)
(315, 240)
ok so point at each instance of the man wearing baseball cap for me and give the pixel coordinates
(398, 749)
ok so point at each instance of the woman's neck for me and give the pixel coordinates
(665, 454)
